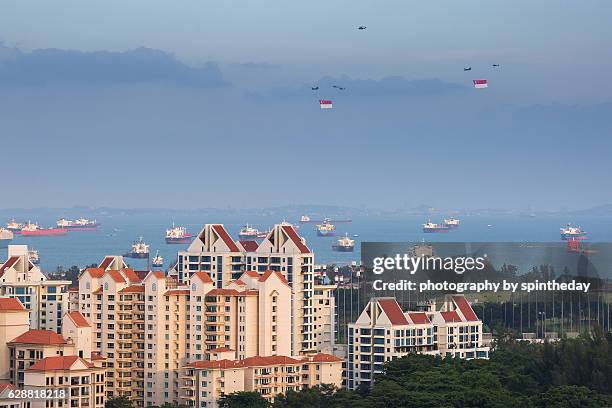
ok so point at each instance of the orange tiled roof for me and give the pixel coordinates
(116, 275)
(173, 292)
(323, 358)
(95, 272)
(10, 262)
(96, 356)
(451, 317)
(208, 364)
(465, 308)
(223, 292)
(220, 230)
(11, 304)
(133, 289)
(6, 386)
(106, 262)
(159, 274)
(78, 319)
(249, 246)
(393, 311)
(419, 318)
(131, 275)
(36, 336)
(256, 361)
(203, 276)
(269, 273)
(57, 363)
(290, 231)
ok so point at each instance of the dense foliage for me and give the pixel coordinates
(118, 402)
(243, 399)
(570, 373)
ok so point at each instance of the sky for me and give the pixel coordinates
(200, 104)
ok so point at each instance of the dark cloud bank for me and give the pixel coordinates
(142, 65)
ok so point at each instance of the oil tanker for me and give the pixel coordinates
(33, 230)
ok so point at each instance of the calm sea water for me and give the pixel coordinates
(116, 234)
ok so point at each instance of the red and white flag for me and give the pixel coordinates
(325, 104)
(480, 83)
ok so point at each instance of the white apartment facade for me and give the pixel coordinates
(283, 250)
(383, 332)
(46, 300)
(148, 328)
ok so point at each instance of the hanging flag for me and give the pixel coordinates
(480, 83)
(325, 104)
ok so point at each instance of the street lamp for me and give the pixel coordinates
(543, 314)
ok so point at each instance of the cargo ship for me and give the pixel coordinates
(452, 222)
(573, 233)
(14, 226)
(139, 250)
(178, 235)
(326, 229)
(6, 236)
(32, 229)
(248, 232)
(82, 224)
(263, 234)
(344, 244)
(158, 261)
(430, 227)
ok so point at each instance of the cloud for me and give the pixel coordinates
(388, 87)
(142, 65)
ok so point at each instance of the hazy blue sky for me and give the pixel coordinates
(218, 111)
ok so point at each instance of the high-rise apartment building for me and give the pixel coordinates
(147, 328)
(383, 332)
(46, 300)
(282, 250)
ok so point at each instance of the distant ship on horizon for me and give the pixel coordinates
(326, 229)
(178, 235)
(430, 227)
(158, 260)
(344, 244)
(14, 226)
(82, 224)
(572, 233)
(33, 229)
(452, 222)
(140, 250)
(248, 231)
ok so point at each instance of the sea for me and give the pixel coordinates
(116, 234)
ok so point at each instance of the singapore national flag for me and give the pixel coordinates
(480, 83)
(325, 104)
